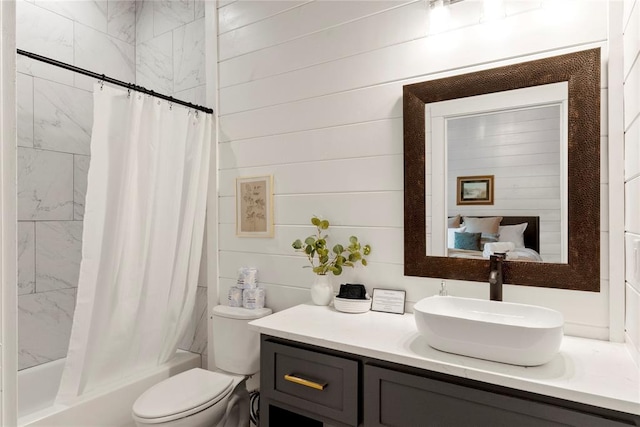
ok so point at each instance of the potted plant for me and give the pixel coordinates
(324, 260)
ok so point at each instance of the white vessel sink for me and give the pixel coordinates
(518, 334)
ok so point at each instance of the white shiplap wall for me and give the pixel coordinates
(631, 40)
(311, 92)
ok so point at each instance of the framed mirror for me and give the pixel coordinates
(431, 202)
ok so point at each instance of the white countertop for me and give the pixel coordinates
(593, 372)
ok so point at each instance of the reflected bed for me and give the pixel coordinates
(530, 237)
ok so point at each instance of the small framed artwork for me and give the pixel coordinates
(388, 300)
(475, 190)
(254, 206)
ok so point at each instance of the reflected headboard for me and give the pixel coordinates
(531, 233)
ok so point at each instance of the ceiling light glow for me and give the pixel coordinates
(492, 10)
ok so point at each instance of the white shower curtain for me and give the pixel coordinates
(142, 238)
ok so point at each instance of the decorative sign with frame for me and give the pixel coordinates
(388, 300)
(475, 190)
(254, 206)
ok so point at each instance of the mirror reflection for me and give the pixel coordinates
(498, 168)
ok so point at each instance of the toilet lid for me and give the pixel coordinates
(240, 312)
(178, 396)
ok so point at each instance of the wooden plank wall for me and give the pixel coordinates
(311, 92)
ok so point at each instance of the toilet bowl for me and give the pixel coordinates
(202, 398)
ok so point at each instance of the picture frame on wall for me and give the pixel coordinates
(254, 206)
(475, 190)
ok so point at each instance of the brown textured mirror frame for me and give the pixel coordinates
(582, 72)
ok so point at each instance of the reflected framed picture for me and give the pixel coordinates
(475, 190)
(254, 206)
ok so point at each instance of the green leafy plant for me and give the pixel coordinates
(322, 259)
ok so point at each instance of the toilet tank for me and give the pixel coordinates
(236, 349)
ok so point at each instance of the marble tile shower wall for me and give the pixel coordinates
(170, 58)
(170, 48)
(54, 132)
(158, 44)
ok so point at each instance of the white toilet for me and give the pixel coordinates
(201, 398)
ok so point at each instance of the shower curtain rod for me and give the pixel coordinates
(111, 80)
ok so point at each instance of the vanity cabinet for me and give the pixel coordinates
(330, 388)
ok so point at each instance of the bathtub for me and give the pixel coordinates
(37, 388)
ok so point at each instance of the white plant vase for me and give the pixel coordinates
(322, 290)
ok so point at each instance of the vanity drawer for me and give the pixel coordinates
(321, 384)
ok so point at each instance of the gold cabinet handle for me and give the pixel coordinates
(305, 382)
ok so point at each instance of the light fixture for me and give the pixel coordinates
(492, 9)
(439, 15)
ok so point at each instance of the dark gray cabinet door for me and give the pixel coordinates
(320, 384)
(397, 399)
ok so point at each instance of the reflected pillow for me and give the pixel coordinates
(451, 236)
(513, 233)
(468, 241)
(453, 221)
(489, 225)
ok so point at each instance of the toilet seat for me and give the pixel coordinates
(182, 395)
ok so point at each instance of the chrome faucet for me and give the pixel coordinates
(443, 289)
(495, 276)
